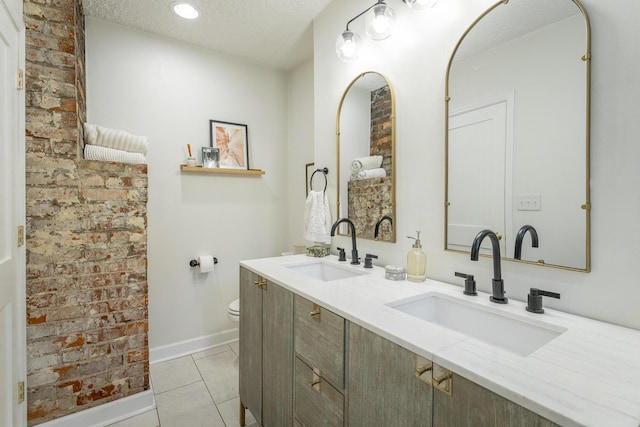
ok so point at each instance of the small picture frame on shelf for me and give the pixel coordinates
(232, 141)
(210, 157)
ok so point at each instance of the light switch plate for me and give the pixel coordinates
(529, 202)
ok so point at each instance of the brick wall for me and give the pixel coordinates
(86, 236)
(381, 142)
(369, 199)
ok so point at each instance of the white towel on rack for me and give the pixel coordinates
(364, 163)
(317, 217)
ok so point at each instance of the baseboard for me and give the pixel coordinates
(107, 413)
(184, 348)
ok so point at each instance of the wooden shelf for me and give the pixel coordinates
(222, 171)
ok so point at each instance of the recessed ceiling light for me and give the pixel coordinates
(185, 10)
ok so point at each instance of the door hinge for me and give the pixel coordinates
(21, 392)
(20, 80)
(20, 235)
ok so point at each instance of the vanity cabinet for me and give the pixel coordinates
(266, 350)
(388, 384)
(303, 365)
(319, 365)
(473, 405)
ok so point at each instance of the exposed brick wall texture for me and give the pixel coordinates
(381, 141)
(369, 199)
(86, 236)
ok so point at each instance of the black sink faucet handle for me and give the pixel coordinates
(341, 254)
(368, 260)
(534, 299)
(469, 283)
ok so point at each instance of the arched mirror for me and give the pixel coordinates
(517, 118)
(366, 157)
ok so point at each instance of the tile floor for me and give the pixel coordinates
(196, 390)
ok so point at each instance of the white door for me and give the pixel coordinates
(479, 160)
(12, 208)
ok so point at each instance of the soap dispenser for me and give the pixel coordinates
(416, 261)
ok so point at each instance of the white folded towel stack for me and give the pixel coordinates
(103, 154)
(372, 173)
(114, 145)
(317, 217)
(364, 163)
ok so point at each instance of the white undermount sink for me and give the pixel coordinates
(506, 330)
(324, 271)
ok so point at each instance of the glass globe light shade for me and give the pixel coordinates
(379, 21)
(420, 4)
(348, 45)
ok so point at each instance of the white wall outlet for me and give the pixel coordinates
(529, 202)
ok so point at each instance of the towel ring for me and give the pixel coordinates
(324, 171)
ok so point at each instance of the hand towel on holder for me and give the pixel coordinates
(364, 163)
(317, 217)
(372, 173)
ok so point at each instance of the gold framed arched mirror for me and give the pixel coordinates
(365, 135)
(517, 132)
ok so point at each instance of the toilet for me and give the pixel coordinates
(234, 310)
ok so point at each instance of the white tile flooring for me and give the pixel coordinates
(196, 390)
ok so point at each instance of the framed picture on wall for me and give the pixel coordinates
(232, 142)
(210, 157)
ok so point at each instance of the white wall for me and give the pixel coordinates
(300, 146)
(414, 59)
(168, 91)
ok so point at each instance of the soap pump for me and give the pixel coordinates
(416, 261)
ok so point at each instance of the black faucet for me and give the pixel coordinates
(497, 284)
(517, 253)
(382, 218)
(354, 250)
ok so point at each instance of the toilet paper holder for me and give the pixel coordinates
(195, 263)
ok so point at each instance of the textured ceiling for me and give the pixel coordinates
(275, 33)
(514, 19)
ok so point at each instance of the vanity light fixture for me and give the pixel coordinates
(185, 10)
(378, 25)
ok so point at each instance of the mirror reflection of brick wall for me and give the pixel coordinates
(381, 126)
(369, 199)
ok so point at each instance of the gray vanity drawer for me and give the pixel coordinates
(316, 402)
(319, 340)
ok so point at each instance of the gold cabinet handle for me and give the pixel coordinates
(315, 381)
(499, 235)
(423, 365)
(442, 379)
(315, 313)
(445, 376)
(261, 283)
(422, 369)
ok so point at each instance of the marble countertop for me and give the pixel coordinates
(587, 376)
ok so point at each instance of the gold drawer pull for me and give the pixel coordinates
(315, 314)
(439, 380)
(442, 379)
(423, 365)
(422, 369)
(261, 283)
(315, 381)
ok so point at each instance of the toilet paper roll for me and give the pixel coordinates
(207, 264)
